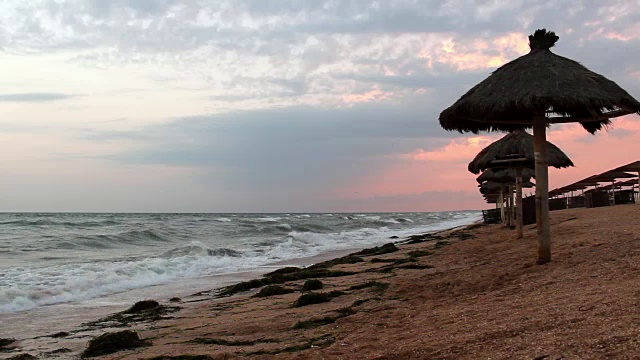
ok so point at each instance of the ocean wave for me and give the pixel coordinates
(24, 289)
(105, 241)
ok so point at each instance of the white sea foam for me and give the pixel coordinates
(38, 284)
(222, 219)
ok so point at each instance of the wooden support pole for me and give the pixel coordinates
(519, 203)
(638, 198)
(542, 188)
(501, 199)
(613, 192)
(509, 212)
(513, 205)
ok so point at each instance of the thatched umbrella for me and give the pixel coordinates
(513, 179)
(535, 90)
(505, 175)
(517, 145)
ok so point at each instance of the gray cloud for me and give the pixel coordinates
(34, 97)
(288, 149)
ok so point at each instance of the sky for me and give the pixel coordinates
(278, 106)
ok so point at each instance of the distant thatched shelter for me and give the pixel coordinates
(533, 91)
(505, 175)
(519, 143)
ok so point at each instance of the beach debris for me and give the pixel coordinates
(175, 299)
(313, 284)
(24, 356)
(141, 311)
(272, 290)
(419, 253)
(7, 344)
(281, 276)
(349, 259)
(316, 298)
(417, 239)
(393, 237)
(59, 334)
(440, 244)
(110, 343)
(378, 250)
(141, 306)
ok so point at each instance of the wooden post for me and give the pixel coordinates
(513, 205)
(542, 188)
(613, 191)
(520, 234)
(638, 198)
(509, 206)
(501, 199)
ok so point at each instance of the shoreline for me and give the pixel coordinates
(91, 310)
(465, 293)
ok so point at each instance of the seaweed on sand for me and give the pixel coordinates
(281, 276)
(5, 342)
(316, 298)
(378, 250)
(272, 290)
(313, 284)
(145, 310)
(110, 343)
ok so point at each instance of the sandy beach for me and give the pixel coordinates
(462, 294)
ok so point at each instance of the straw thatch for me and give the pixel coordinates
(520, 143)
(539, 82)
(491, 187)
(505, 176)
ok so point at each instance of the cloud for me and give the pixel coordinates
(34, 97)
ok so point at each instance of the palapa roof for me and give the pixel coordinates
(507, 176)
(537, 83)
(516, 142)
(634, 166)
(491, 187)
(612, 175)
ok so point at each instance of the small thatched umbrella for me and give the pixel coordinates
(535, 90)
(505, 175)
(519, 145)
(513, 179)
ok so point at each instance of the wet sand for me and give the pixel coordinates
(475, 293)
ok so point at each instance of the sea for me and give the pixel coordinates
(52, 263)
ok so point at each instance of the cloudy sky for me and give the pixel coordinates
(261, 105)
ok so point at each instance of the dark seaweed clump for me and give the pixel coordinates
(145, 310)
(110, 343)
(376, 285)
(141, 306)
(316, 298)
(273, 290)
(419, 253)
(313, 284)
(378, 250)
(24, 356)
(349, 259)
(5, 342)
(281, 276)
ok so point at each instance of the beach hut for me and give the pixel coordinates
(516, 150)
(533, 91)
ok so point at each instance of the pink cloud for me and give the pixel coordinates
(444, 170)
